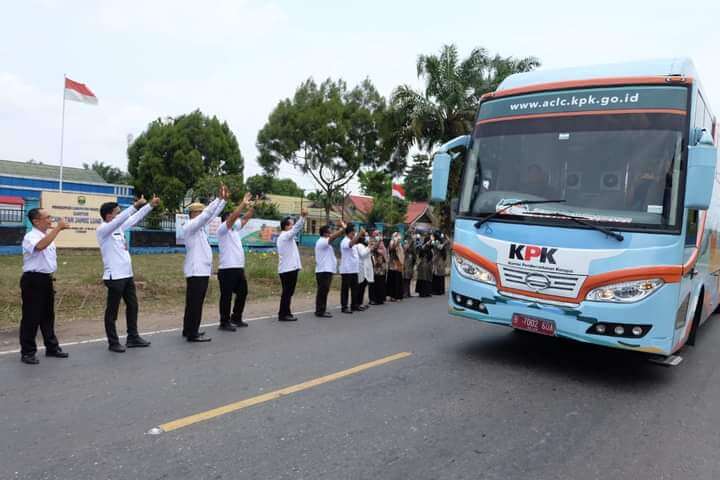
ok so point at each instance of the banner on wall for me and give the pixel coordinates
(81, 212)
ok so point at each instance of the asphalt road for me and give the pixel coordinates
(471, 401)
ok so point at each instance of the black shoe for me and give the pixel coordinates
(359, 309)
(56, 353)
(239, 323)
(323, 315)
(346, 310)
(117, 348)
(136, 342)
(288, 318)
(29, 359)
(374, 303)
(228, 327)
(200, 334)
(198, 338)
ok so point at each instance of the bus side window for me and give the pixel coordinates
(692, 228)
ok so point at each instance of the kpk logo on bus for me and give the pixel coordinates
(529, 253)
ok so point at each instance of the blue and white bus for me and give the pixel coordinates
(589, 206)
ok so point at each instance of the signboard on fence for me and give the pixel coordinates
(257, 232)
(81, 212)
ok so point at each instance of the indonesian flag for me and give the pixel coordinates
(79, 92)
(398, 191)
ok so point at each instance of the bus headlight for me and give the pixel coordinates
(625, 292)
(473, 271)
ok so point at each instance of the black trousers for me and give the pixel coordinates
(324, 279)
(394, 284)
(362, 286)
(438, 285)
(288, 281)
(349, 290)
(232, 281)
(38, 310)
(121, 289)
(194, 300)
(377, 290)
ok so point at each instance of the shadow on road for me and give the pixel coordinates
(505, 348)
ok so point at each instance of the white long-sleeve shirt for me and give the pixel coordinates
(113, 247)
(349, 261)
(288, 254)
(198, 254)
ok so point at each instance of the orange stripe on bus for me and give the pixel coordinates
(596, 82)
(668, 273)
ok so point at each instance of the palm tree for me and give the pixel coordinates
(447, 106)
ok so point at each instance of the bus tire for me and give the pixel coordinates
(696, 319)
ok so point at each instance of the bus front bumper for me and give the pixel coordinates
(483, 302)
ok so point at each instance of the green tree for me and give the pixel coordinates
(447, 106)
(267, 210)
(388, 210)
(321, 200)
(173, 154)
(262, 184)
(207, 187)
(375, 183)
(417, 179)
(108, 173)
(326, 131)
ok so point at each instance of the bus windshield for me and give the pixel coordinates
(615, 168)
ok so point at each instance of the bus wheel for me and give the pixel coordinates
(696, 320)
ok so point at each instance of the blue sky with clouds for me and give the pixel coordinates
(237, 58)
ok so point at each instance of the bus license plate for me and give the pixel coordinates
(532, 324)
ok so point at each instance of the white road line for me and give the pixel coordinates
(154, 332)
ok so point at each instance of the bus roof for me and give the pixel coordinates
(682, 66)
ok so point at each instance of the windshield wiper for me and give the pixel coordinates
(581, 221)
(479, 223)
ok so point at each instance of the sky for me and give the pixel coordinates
(237, 59)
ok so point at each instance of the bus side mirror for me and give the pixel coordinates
(441, 166)
(440, 175)
(700, 175)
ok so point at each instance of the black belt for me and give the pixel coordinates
(39, 274)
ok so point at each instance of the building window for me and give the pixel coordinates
(313, 225)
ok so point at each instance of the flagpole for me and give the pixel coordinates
(62, 135)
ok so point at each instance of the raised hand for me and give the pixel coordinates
(342, 225)
(247, 198)
(155, 201)
(140, 202)
(304, 212)
(62, 225)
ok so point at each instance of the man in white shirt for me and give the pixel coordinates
(36, 287)
(288, 263)
(117, 269)
(231, 272)
(325, 266)
(198, 262)
(349, 268)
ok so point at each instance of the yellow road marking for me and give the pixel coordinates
(249, 402)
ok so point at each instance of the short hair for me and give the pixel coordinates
(285, 222)
(324, 230)
(34, 214)
(224, 216)
(107, 208)
(349, 229)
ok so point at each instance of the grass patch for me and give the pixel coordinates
(160, 283)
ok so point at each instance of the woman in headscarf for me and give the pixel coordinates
(410, 258)
(379, 254)
(439, 262)
(396, 266)
(423, 285)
